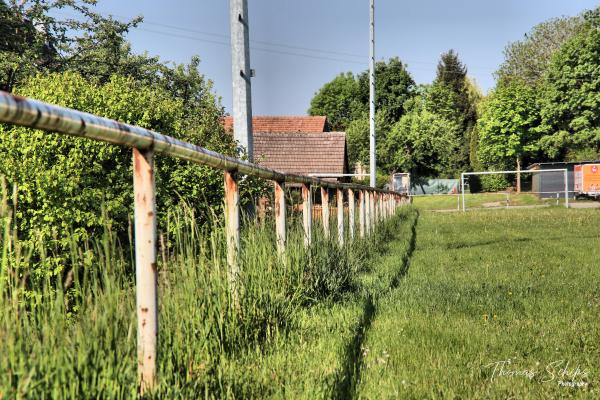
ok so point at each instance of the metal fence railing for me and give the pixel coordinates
(375, 205)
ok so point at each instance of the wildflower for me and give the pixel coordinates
(485, 317)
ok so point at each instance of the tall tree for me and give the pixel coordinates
(453, 97)
(393, 86)
(339, 100)
(527, 60)
(35, 40)
(571, 107)
(508, 132)
(423, 142)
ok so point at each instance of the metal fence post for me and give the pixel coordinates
(351, 211)
(462, 190)
(371, 212)
(145, 267)
(339, 195)
(232, 229)
(376, 208)
(325, 211)
(566, 188)
(307, 214)
(367, 212)
(361, 213)
(280, 211)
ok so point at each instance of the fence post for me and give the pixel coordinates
(232, 229)
(280, 211)
(375, 208)
(325, 210)
(145, 267)
(367, 212)
(361, 212)
(307, 214)
(351, 208)
(339, 196)
(371, 212)
(386, 205)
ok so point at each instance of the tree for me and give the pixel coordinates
(508, 126)
(455, 97)
(339, 100)
(33, 40)
(71, 188)
(346, 97)
(423, 142)
(393, 87)
(527, 60)
(571, 107)
(357, 138)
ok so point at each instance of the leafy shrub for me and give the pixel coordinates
(64, 182)
(494, 183)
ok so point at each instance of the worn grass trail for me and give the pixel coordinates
(513, 286)
(322, 357)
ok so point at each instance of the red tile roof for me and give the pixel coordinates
(302, 153)
(278, 124)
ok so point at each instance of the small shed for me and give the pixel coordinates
(546, 185)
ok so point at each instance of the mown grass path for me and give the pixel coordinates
(322, 357)
(496, 304)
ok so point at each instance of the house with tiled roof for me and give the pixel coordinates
(302, 153)
(280, 124)
(297, 145)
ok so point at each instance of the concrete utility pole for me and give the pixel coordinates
(241, 74)
(373, 163)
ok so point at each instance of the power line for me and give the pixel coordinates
(289, 53)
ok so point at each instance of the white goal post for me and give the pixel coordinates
(563, 170)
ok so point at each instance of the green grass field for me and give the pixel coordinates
(483, 200)
(513, 286)
(426, 309)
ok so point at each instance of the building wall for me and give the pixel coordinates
(554, 181)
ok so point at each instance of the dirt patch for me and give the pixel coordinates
(494, 204)
(587, 204)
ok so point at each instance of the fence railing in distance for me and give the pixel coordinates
(145, 143)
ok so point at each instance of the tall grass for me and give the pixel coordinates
(73, 334)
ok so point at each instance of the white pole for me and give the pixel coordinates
(351, 212)
(372, 169)
(240, 74)
(462, 189)
(567, 188)
(280, 210)
(145, 267)
(307, 214)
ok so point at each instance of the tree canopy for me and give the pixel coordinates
(571, 105)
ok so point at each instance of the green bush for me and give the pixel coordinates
(62, 183)
(493, 183)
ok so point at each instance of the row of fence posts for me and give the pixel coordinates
(374, 206)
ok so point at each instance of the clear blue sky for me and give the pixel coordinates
(416, 31)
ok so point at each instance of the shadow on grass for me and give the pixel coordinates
(503, 241)
(348, 379)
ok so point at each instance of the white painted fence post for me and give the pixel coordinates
(232, 230)
(307, 214)
(145, 267)
(351, 211)
(339, 195)
(361, 212)
(280, 217)
(325, 211)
